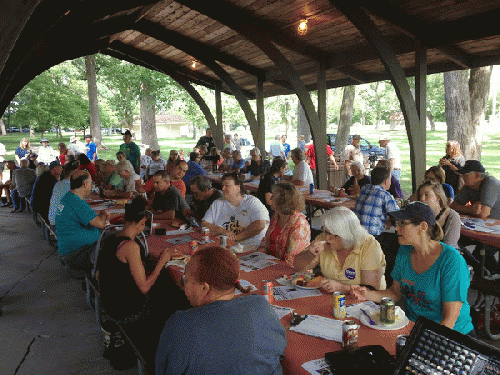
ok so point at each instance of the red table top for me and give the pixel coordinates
(483, 237)
(300, 348)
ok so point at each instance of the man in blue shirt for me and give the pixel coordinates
(91, 148)
(194, 168)
(77, 226)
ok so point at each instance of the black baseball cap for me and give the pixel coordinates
(472, 166)
(127, 132)
(88, 136)
(415, 210)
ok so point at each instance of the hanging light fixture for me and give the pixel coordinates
(193, 64)
(302, 29)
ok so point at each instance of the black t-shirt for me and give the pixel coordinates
(201, 207)
(266, 184)
(257, 169)
(170, 200)
(207, 141)
(350, 182)
(42, 194)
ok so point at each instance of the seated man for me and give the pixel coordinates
(179, 171)
(8, 187)
(220, 334)
(302, 174)
(480, 189)
(194, 168)
(167, 202)
(24, 178)
(238, 163)
(77, 226)
(131, 183)
(203, 195)
(42, 190)
(243, 218)
(257, 167)
(61, 188)
(228, 160)
(374, 201)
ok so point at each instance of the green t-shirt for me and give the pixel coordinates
(73, 225)
(132, 153)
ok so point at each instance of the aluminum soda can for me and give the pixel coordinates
(387, 311)
(350, 335)
(223, 241)
(400, 344)
(193, 246)
(311, 189)
(205, 234)
(339, 311)
(267, 287)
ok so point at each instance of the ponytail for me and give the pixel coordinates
(436, 232)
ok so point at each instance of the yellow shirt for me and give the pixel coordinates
(367, 257)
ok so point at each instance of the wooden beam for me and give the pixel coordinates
(419, 134)
(322, 98)
(260, 142)
(369, 30)
(194, 48)
(456, 55)
(219, 129)
(243, 22)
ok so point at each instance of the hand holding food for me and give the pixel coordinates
(330, 286)
(309, 281)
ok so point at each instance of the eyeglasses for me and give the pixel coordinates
(402, 223)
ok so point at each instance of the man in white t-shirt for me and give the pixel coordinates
(302, 174)
(393, 154)
(243, 218)
(352, 153)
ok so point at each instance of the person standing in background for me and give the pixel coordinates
(276, 148)
(132, 151)
(286, 146)
(302, 143)
(91, 148)
(392, 154)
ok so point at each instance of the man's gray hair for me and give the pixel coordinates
(201, 182)
(277, 137)
(298, 154)
(256, 151)
(359, 165)
(125, 165)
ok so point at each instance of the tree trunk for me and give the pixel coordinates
(32, 132)
(2, 127)
(345, 120)
(148, 121)
(457, 107)
(95, 121)
(430, 117)
(303, 127)
(377, 105)
(479, 90)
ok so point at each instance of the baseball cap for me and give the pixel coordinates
(127, 132)
(356, 136)
(88, 136)
(415, 210)
(44, 140)
(384, 137)
(54, 164)
(472, 166)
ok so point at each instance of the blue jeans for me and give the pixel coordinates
(397, 174)
(16, 200)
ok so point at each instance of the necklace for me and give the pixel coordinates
(440, 213)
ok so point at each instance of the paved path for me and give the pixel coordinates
(46, 326)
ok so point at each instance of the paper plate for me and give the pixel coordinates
(401, 320)
(300, 286)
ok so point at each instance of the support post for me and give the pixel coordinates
(419, 134)
(260, 142)
(218, 132)
(322, 93)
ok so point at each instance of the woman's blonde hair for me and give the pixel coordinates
(437, 171)
(288, 198)
(438, 190)
(23, 140)
(341, 221)
(453, 149)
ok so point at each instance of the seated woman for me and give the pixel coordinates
(288, 233)
(169, 167)
(451, 163)
(358, 179)
(220, 334)
(257, 167)
(433, 195)
(432, 278)
(86, 164)
(264, 192)
(128, 295)
(347, 254)
(436, 174)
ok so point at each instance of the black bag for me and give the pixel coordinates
(117, 350)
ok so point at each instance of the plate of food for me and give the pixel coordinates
(179, 256)
(307, 281)
(400, 322)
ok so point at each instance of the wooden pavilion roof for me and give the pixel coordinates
(168, 35)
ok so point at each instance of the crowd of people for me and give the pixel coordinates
(384, 247)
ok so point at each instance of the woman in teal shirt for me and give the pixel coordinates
(431, 277)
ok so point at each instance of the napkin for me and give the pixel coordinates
(319, 326)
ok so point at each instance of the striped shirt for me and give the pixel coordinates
(372, 206)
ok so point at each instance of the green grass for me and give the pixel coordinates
(436, 142)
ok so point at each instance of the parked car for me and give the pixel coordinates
(369, 151)
(13, 129)
(245, 148)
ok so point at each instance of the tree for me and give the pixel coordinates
(345, 121)
(95, 121)
(465, 103)
(303, 127)
(148, 117)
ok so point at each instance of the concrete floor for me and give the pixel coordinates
(46, 326)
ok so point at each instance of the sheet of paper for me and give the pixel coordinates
(178, 231)
(117, 211)
(354, 311)
(317, 367)
(477, 224)
(319, 326)
(179, 263)
(256, 261)
(284, 293)
(281, 311)
(245, 284)
(179, 240)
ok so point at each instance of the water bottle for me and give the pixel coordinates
(311, 189)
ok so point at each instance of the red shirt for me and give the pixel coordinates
(62, 158)
(90, 167)
(181, 186)
(272, 242)
(312, 154)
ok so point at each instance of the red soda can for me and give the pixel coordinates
(193, 246)
(268, 290)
